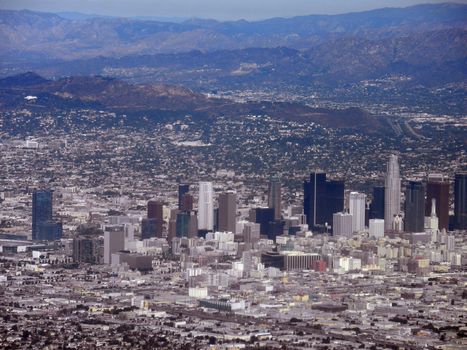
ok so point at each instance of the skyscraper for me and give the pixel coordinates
(357, 203)
(460, 201)
(205, 207)
(334, 199)
(438, 188)
(155, 210)
(187, 202)
(314, 199)
(41, 210)
(227, 211)
(155, 218)
(414, 207)
(114, 241)
(377, 203)
(182, 189)
(274, 197)
(392, 192)
(342, 224)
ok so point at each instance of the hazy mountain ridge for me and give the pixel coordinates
(33, 32)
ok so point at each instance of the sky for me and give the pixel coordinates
(216, 9)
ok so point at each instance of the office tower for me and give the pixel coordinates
(376, 228)
(342, 224)
(205, 207)
(437, 187)
(87, 249)
(150, 228)
(183, 224)
(414, 207)
(262, 216)
(172, 231)
(357, 205)
(155, 210)
(186, 203)
(49, 231)
(377, 203)
(182, 189)
(193, 225)
(322, 199)
(41, 210)
(227, 212)
(114, 241)
(460, 201)
(251, 232)
(334, 200)
(392, 192)
(314, 199)
(274, 197)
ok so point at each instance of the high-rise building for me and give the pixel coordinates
(357, 204)
(377, 203)
(114, 241)
(205, 207)
(376, 228)
(392, 192)
(414, 207)
(49, 231)
(262, 216)
(314, 199)
(251, 232)
(41, 210)
(227, 211)
(183, 224)
(155, 210)
(187, 202)
(150, 228)
(437, 187)
(322, 199)
(460, 201)
(182, 189)
(342, 224)
(87, 249)
(274, 197)
(334, 199)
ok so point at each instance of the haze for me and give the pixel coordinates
(222, 10)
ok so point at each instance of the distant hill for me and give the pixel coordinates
(115, 95)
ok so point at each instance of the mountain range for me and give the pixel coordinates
(419, 46)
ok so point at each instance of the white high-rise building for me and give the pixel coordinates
(392, 192)
(342, 224)
(357, 204)
(376, 228)
(205, 206)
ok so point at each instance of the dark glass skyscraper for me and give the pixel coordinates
(460, 201)
(41, 210)
(377, 204)
(334, 199)
(314, 199)
(156, 218)
(414, 207)
(182, 189)
(322, 199)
